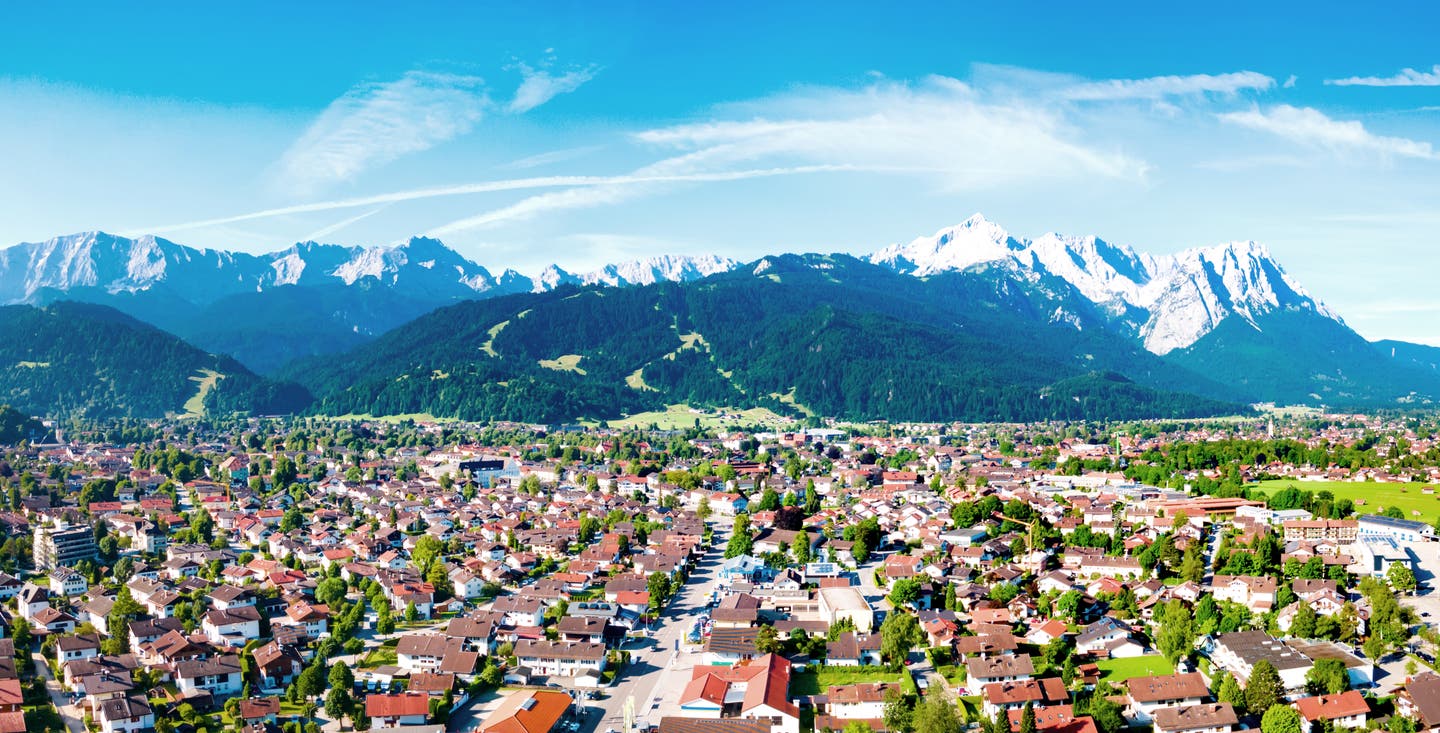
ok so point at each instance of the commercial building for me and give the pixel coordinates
(1238, 653)
(1399, 530)
(63, 546)
(1375, 554)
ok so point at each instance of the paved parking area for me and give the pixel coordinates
(1427, 572)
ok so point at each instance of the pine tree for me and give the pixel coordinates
(1027, 719)
(1264, 688)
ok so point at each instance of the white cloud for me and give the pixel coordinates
(538, 86)
(1290, 82)
(614, 190)
(940, 127)
(1159, 87)
(373, 124)
(1406, 78)
(1309, 126)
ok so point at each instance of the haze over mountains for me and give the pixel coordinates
(971, 291)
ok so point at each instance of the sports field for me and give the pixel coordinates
(1371, 497)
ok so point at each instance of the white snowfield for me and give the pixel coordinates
(1172, 300)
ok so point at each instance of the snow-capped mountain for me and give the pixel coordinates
(101, 263)
(1167, 301)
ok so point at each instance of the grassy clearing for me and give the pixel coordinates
(815, 680)
(1119, 670)
(789, 399)
(677, 417)
(489, 346)
(409, 416)
(636, 381)
(207, 379)
(1371, 497)
(566, 363)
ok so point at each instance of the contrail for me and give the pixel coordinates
(514, 184)
(337, 226)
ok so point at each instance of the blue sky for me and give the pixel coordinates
(582, 133)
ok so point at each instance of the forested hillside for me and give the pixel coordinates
(81, 360)
(16, 426)
(831, 335)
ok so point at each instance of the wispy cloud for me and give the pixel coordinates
(940, 129)
(376, 123)
(538, 86)
(551, 157)
(1406, 78)
(463, 189)
(940, 126)
(1160, 87)
(613, 191)
(1311, 127)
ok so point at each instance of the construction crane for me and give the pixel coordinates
(1029, 536)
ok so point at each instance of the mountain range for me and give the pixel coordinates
(269, 309)
(1016, 318)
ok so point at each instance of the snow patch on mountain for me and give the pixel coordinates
(1168, 301)
(650, 270)
(964, 245)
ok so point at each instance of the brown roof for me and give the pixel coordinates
(1006, 666)
(10, 693)
(432, 682)
(1190, 717)
(1047, 691)
(259, 707)
(1424, 692)
(721, 725)
(1167, 687)
(860, 692)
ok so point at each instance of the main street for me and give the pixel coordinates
(655, 659)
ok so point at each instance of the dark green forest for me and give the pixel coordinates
(1299, 357)
(847, 339)
(89, 361)
(16, 426)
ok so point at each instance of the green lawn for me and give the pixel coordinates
(1119, 670)
(1376, 496)
(814, 680)
(953, 673)
(384, 654)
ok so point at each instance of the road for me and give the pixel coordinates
(74, 719)
(874, 594)
(1212, 548)
(656, 660)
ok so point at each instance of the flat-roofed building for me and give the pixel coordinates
(1238, 652)
(846, 602)
(1400, 530)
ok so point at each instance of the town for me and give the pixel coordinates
(305, 575)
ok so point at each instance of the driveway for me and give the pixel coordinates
(74, 719)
